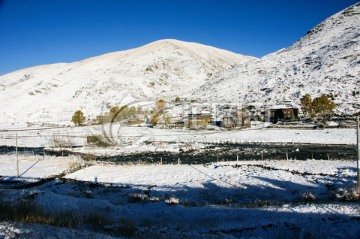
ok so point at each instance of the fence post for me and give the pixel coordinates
(358, 149)
(17, 157)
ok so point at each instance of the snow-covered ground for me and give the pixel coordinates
(35, 166)
(142, 139)
(240, 199)
(243, 181)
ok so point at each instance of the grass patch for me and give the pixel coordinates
(127, 227)
(349, 194)
(28, 212)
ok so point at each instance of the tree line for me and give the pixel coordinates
(119, 113)
(319, 106)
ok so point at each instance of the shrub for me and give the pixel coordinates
(73, 166)
(138, 197)
(350, 194)
(261, 203)
(142, 198)
(172, 200)
(308, 196)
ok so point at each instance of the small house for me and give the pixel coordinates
(199, 120)
(136, 119)
(229, 121)
(239, 119)
(284, 112)
(194, 120)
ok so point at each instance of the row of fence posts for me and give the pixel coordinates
(312, 155)
(237, 158)
(217, 158)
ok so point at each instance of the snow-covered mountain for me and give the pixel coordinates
(325, 61)
(162, 69)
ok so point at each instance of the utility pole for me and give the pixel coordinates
(17, 158)
(358, 150)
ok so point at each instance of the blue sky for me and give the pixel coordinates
(36, 32)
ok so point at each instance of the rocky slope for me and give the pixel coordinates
(325, 61)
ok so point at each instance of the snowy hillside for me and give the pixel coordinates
(162, 69)
(325, 61)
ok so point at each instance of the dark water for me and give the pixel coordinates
(218, 152)
(231, 152)
(32, 150)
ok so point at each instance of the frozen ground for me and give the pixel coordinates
(235, 199)
(35, 166)
(235, 182)
(128, 140)
(259, 199)
(10, 230)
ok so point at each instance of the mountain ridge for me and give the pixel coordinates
(326, 60)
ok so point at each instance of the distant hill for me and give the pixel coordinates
(162, 69)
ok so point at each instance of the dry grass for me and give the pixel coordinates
(74, 166)
(308, 196)
(142, 198)
(89, 157)
(127, 227)
(172, 200)
(350, 194)
(28, 212)
(258, 203)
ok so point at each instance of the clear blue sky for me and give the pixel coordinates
(35, 32)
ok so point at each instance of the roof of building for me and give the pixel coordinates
(287, 106)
